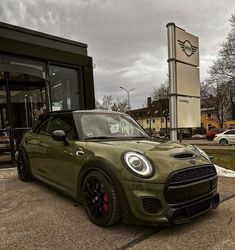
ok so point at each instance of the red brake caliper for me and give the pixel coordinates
(106, 203)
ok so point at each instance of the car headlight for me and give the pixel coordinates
(202, 153)
(138, 164)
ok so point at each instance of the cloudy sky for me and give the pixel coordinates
(126, 38)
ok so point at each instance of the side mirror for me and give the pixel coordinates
(59, 135)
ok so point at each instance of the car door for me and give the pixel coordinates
(63, 160)
(36, 151)
(230, 136)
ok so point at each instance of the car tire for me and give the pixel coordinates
(223, 142)
(100, 199)
(23, 168)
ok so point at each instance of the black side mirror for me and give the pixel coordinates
(59, 135)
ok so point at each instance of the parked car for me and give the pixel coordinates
(211, 134)
(107, 161)
(198, 136)
(226, 137)
(183, 133)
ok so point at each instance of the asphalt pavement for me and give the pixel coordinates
(33, 216)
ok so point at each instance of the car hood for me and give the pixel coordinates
(165, 157)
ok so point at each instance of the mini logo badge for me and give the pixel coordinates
(193, 162)
(187, 47)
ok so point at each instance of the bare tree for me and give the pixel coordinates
(107, 102)
(120, 106)
(161, 92)
(219, 88)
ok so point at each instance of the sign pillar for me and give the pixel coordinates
(172, 81)
(184, 89)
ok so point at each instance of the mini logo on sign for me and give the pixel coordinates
(187, 47)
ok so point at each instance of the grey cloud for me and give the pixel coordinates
(127, 39)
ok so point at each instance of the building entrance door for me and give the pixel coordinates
(22, 100)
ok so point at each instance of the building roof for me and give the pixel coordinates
(158, 108)
(10, 33)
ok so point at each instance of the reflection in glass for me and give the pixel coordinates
(28, 100)
(1, 59)
(5, 155)
(64, 88)
(21, 61)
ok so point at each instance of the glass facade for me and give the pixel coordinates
(62, 84)
(1, 58)
(22, 61)
(39, 73)
(64, 88)
(30, 88)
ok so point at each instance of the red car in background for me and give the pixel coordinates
(211, 134)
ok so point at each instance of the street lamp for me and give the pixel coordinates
(128, 97)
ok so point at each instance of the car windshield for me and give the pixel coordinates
(110, 126)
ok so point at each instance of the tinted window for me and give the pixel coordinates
(64, 84)
(63, 122)
(40, 125)
(231, 132)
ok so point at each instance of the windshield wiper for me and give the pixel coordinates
(139, 137)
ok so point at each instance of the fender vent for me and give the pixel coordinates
(152, 205)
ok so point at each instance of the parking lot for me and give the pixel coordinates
(32, 216)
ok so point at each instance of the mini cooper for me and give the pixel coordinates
(109, 163)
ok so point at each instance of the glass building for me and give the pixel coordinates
(39, 73)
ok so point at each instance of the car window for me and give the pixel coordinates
(110, 125)
(63, 122)
(40, 126)
(230, 132)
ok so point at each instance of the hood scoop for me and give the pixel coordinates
(183, 155)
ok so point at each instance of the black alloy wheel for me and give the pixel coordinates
(100, 199)
(223, 141)
(23, 169)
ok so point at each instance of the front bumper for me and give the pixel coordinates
(167, 213)
(184, 213)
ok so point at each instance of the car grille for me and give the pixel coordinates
(187, 184)
(192, 174)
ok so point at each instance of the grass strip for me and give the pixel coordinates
(222, 157)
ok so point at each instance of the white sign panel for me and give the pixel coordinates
(187, 80)
(187, 49)
(188, 109)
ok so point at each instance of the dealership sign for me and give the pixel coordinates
(183, 61)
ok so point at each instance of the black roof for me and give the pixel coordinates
(41, 34)
(83, 111)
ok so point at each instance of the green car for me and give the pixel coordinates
(106, 161)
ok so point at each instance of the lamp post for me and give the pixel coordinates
(128, 96)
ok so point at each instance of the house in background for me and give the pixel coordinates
(155, 117)
(209, 119)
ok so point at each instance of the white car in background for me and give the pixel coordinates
(226, 137)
